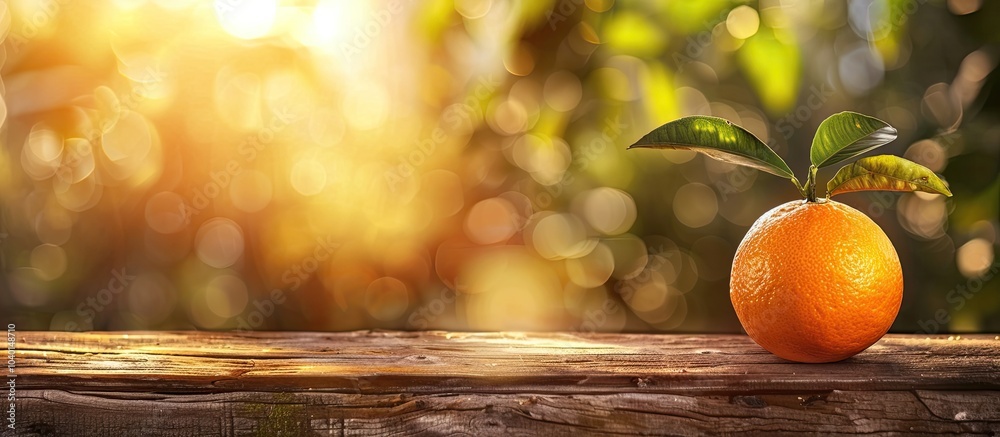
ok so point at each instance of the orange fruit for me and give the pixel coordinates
(816, 282)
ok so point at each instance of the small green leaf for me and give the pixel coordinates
(718, 138)
(845, 135)
(885, 173)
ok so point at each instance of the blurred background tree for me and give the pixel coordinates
(461, 164)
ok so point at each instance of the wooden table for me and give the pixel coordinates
(438, 383)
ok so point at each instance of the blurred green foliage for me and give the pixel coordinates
(550, 223)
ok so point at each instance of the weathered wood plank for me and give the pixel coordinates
(439, 362)
(298, 413)
(438, 383)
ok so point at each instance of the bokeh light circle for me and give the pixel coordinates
(49, 261)
(226, 296)
(166, 212)
(386, 298)
(250, 191)
(975, 257)
(491, 221)
(562, 91)
(695, 205)
(559, 236)
(246, 19)
(593, 269)
(608, 210)
(219, 242)
(308, 177)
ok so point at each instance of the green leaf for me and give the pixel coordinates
(846, 135)
(885, 173)
(718, 138)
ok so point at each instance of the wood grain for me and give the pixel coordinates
(440, 383)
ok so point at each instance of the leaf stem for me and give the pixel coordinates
(798, 186)
(810, 188)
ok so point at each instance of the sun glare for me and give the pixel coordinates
(246, 19)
